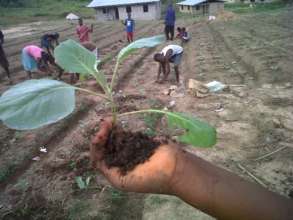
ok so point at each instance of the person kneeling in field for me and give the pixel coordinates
(185, 35)
(3, 60)
(34, 57)
(169, 54)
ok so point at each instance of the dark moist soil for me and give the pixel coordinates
(126, 150)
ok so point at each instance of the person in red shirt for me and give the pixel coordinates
(83, 31)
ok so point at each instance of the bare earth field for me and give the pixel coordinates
(252, 54)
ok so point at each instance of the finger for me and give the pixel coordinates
(99, 141)
(102, 135)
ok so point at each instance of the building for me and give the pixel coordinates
(201, 7)
(118, 9)
(252, 1)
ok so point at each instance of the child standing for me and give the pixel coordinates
(130, 24)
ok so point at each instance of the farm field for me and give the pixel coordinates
(251, 53)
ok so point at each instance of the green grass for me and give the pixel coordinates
(242, 8)
(36, 10)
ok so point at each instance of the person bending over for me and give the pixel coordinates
(33, 58)
(169, 54)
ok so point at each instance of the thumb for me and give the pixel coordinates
(99, 141)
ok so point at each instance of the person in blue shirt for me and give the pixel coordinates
(170, 22)
(48, 41)
(129, 24)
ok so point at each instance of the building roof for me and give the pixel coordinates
(196, 2)
(104, 3)
(191, 2)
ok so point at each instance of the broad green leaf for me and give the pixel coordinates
(74, 58)
(141, 43)
(35, 103)
(197, 133)
(80, 182)
(194, 131)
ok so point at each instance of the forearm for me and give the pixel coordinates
(223, 194)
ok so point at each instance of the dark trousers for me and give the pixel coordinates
(4, 62)
(169, 29)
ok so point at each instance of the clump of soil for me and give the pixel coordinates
(126, 150)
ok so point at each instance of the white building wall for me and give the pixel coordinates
(137, 12)
(101, 16)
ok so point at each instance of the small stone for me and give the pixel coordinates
(267, 86)
(172, 104)
(36, 158)
(288, 85)
(288, 124)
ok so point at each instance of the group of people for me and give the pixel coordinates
(171, 53)
(34, 57)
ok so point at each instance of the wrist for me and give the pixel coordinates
(188, 181)
(178, 175)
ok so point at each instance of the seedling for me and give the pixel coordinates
(83, 184)
(35, 103)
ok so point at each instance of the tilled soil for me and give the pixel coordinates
(253, 119)
(126, 150)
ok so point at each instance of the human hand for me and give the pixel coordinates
(153, 176)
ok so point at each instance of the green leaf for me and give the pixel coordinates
(35, 103)
(74, 58)
(80, 182)
(197, 133)
(144, 42)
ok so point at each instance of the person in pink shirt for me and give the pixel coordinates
(83, 31)
(34, 57)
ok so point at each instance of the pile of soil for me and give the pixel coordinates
(126, 150)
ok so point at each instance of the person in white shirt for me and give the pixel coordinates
(169, 54)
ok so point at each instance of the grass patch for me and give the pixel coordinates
(242, 8)
(34, 10)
